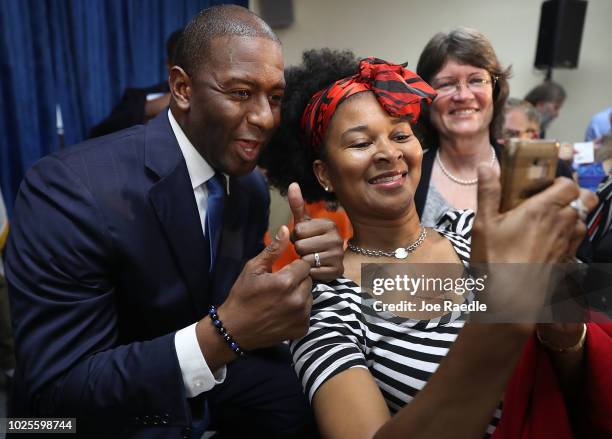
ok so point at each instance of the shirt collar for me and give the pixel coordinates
(199, 170)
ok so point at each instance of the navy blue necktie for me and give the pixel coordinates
(214, 215)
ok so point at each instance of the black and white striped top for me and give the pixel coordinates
(401, 354)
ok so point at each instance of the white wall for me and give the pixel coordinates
(398, 30)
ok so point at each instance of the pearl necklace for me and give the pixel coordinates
(399, 253)
(458, 180)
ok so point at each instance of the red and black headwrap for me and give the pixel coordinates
(398, 90)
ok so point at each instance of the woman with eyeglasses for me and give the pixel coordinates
(347, 137)
(462, 123)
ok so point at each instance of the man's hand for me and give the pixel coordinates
(265, 308)
(317, 235)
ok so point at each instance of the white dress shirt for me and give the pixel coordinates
(197, 376)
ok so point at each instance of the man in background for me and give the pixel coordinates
(139, 105)
(599, 126)
(521, 120)
(547, 98)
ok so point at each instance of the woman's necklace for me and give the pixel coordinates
(458, 180)
(399, 253)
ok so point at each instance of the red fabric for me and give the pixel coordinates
(399, 91)
(533, 404)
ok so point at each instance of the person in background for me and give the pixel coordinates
(599, 125)
(461, 125)
(140, 288)
(521, 121)
(139, 105)
(547, 98)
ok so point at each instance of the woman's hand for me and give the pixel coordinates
(523, 244)
(316, 240)
(544, 228)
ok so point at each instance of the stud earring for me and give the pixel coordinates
(326, 188)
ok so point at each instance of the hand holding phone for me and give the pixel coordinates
(527, 167)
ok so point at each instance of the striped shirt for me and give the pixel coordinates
(401, 354)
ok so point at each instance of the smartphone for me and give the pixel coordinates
(527, 167)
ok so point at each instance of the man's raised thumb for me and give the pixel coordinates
(272, 252)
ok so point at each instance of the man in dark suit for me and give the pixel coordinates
(114, 260)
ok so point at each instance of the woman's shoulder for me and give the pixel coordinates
(457, 222)
(456, 226)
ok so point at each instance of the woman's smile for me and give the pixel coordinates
(389, 180)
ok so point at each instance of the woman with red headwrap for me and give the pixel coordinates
(347, 136)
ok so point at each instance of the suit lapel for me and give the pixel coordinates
(174, 204)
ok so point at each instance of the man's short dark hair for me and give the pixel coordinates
(214, 22)
(547, 91)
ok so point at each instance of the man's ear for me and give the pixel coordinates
(320, 170)
(180, 87)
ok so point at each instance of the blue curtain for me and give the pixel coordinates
(79, 55)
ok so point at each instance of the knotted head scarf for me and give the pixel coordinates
(398, 90)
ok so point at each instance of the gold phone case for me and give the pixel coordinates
(528, 167)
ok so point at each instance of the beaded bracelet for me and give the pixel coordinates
(217, 323)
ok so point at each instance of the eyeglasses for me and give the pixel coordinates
(476, 84)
